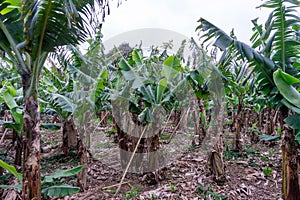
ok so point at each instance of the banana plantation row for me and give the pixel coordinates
(244, 89)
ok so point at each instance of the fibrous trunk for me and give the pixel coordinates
(84, 159)
(290, 160)
(146, 156)
(31, 186)
(202, 120)
(19, 149)
(69, 135)
(132, 134)
(214, 139)
(237, 143)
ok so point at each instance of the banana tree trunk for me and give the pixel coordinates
(290, 160)
(146, 157)
(176, 118)
(202, 120)
(70, 135)
(31, 185)
(237, 143)
(82, 176)
(19, 149)
(215, 162)
(199, 117)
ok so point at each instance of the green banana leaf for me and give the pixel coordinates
(293, 121)
(12, 170)
(62, 173)
(60, 191)
(283, 82)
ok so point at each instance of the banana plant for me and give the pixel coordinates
(144, 94)
(74, 94)
(287, 86)
(206, 81)
(29, 31)
(54, 89)
(275, 46)
(60, 97)
(200, 88)
(11, 99)
(51, 183)
(8, 95)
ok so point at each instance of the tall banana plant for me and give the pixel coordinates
(275, 46)
(68, 92)
(29, 31)
(145, 89)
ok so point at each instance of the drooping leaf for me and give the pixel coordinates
(50, 126)
(290, 106)
(9, 100)
(17, 187)
(289, 79)
(64, 102)
(13, 125)
(10, 18)
(12, 170)
(211, 32)
(60, 190)
(293, 121)
(62, 173)
(223, 41)
(17, 114)
(58, 23)
(270, 137)
(288, 91)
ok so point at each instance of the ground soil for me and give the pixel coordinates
(254, 173)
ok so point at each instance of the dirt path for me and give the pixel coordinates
(186, 178)
(255, 173)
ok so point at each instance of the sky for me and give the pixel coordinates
(182, 15)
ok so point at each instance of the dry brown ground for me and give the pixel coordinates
(183, 178)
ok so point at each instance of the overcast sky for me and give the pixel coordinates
(182, 15)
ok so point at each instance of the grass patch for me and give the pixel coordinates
(165, 136)
(248, 151)
(132, 193)
(105, 145)
(110, 132)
